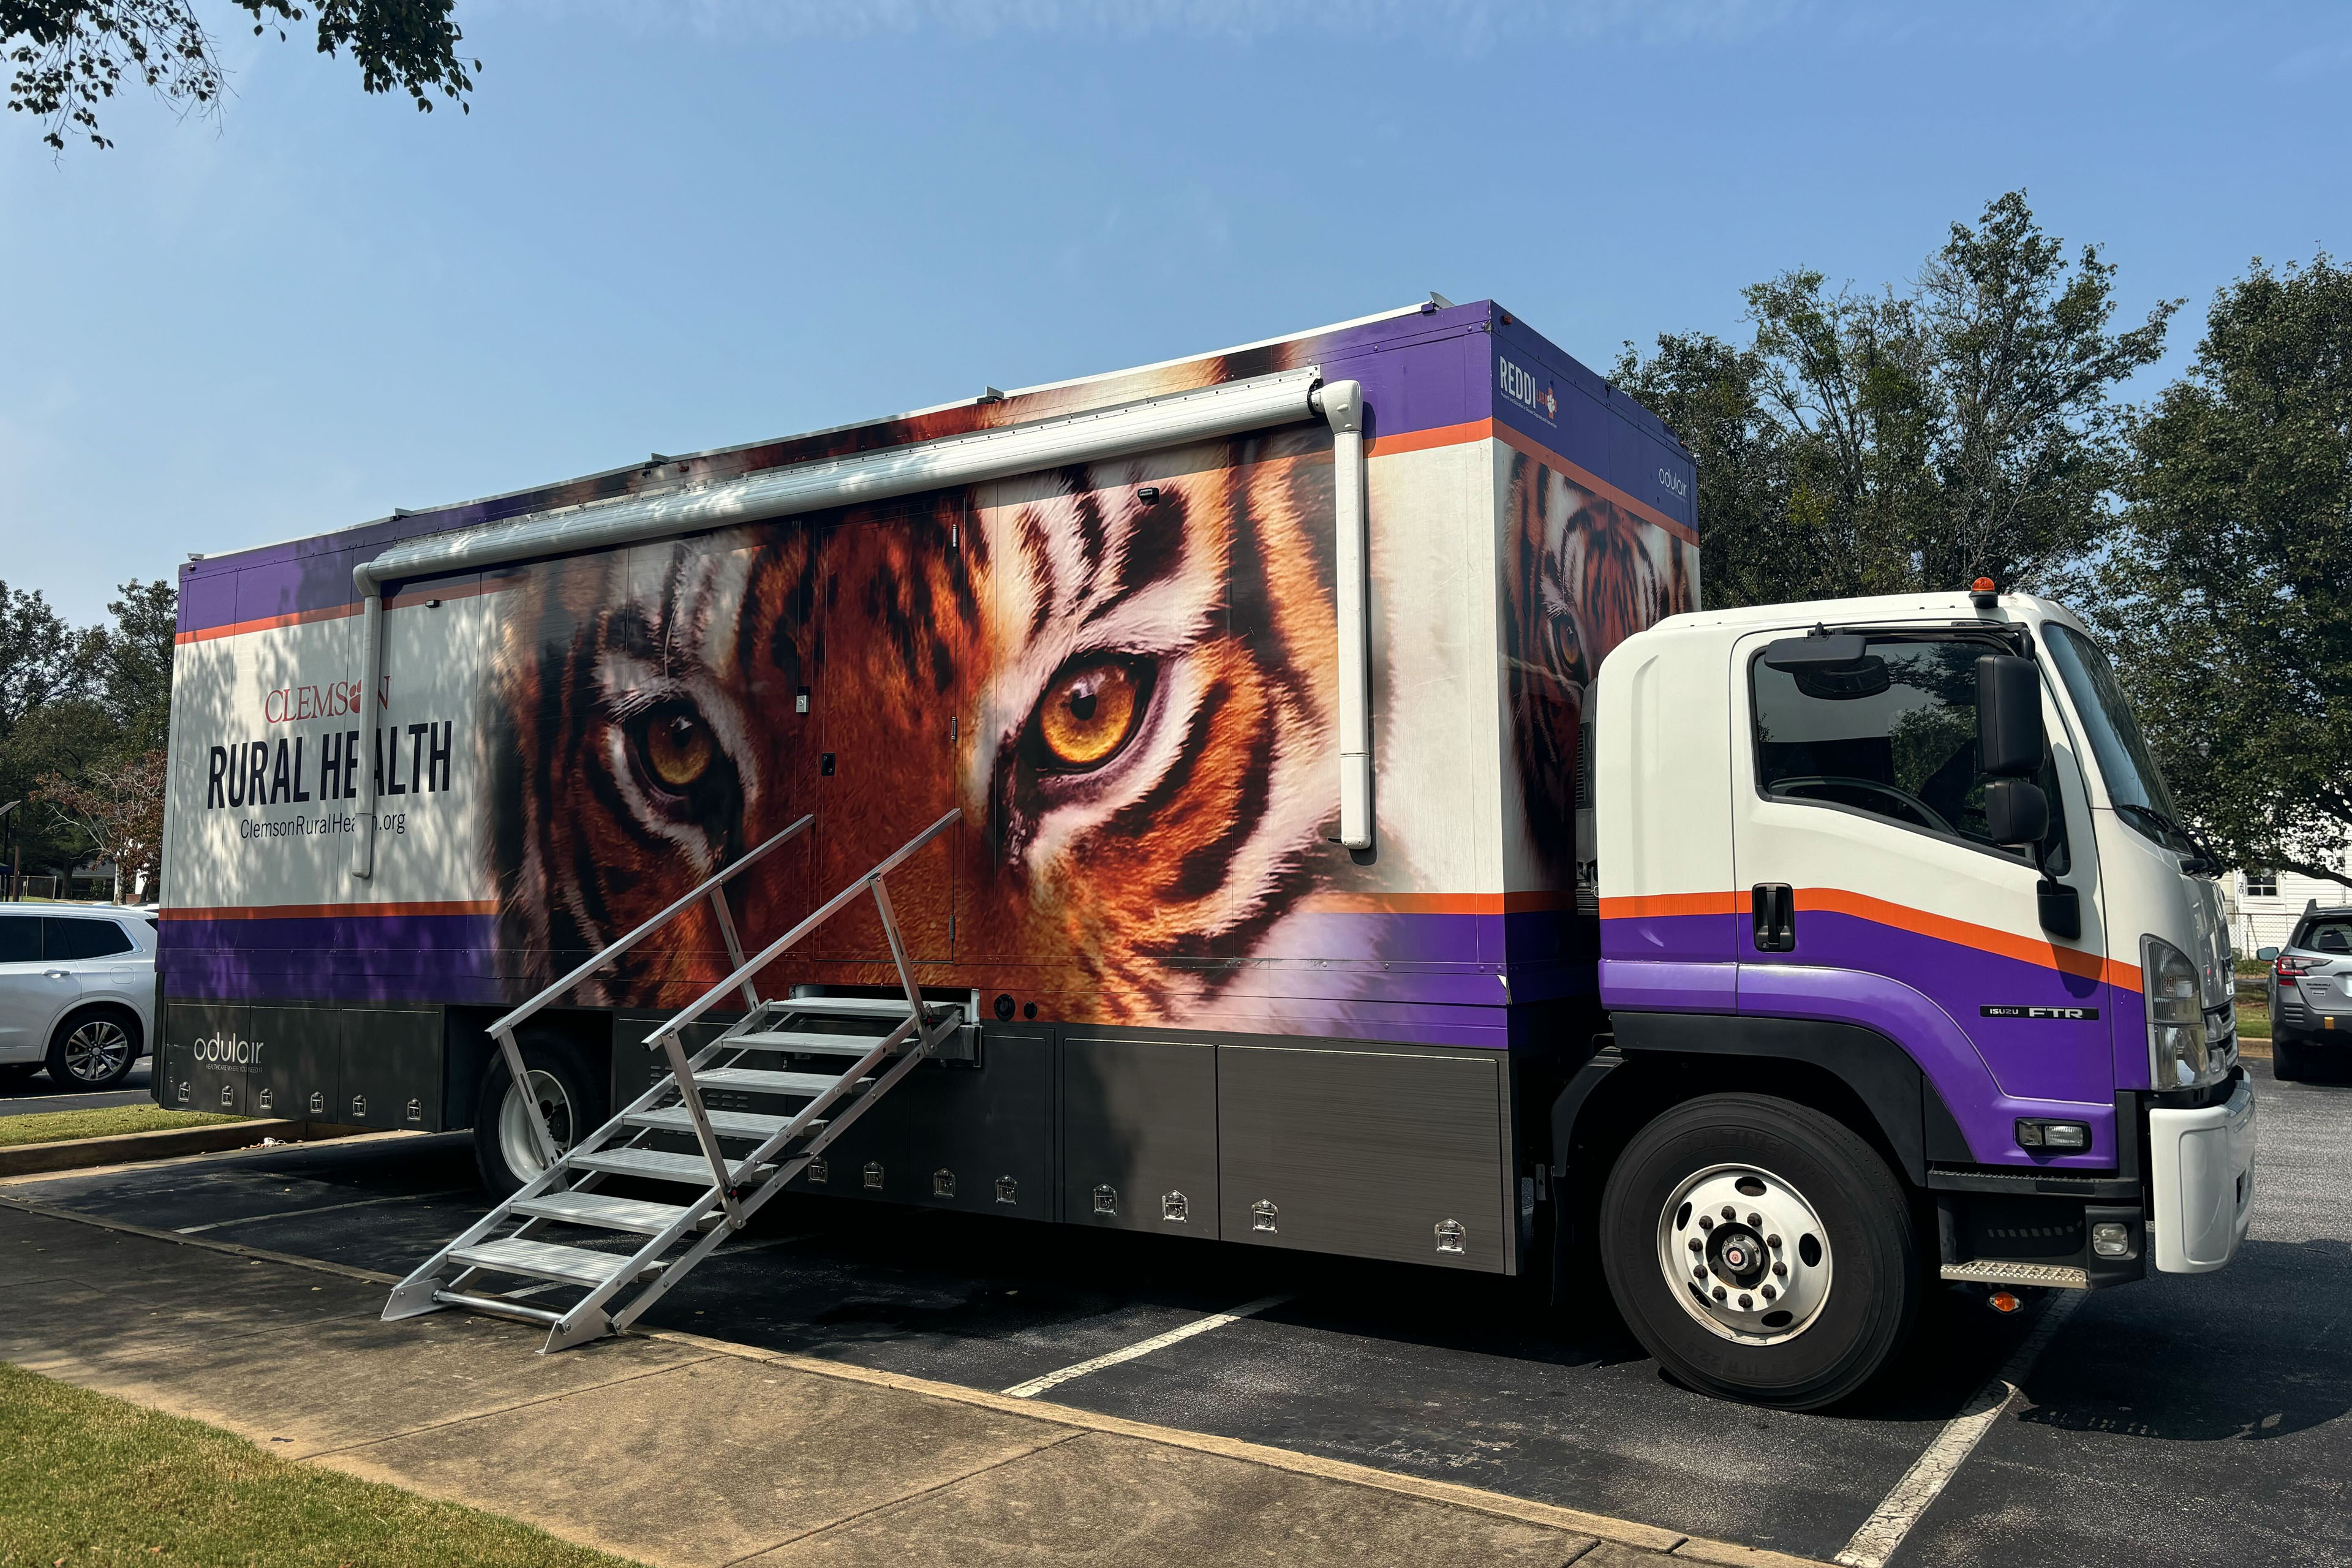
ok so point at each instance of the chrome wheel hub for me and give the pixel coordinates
(554, 1109)
(1745, 1253)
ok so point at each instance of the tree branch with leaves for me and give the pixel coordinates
(70, 57)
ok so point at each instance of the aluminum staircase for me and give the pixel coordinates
(814, 1064)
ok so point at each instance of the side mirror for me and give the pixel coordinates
(2266, 954)
(2009, 742)
(2061, 908)
(2016, 812)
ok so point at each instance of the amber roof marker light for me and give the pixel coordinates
(1983, 594)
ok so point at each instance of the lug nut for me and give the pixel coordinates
(1720, 1292)
(1774, 1242)
(1769, 1293)
(1747, 1302)
(1706, 1222)
(1780, 1269)
(1693, 1244)
(1755, 1220)
(1730, 1213)
(1699, 1272)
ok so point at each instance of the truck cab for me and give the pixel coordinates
(1909, 974)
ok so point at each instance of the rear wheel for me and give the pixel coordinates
(563, 1092)
(2286, 1061)
(1760, 1250)
(93, 1049)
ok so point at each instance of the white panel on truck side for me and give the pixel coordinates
(263, 795)
(1662, 812)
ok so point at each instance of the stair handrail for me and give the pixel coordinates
(831, 906)
(502, 1031)
(523, 1014)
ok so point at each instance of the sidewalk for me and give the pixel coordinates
(678, 1450)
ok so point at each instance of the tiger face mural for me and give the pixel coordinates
(1120, 675)
(1582, 574)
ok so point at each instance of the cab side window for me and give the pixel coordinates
(1893, 734)
(67, 939)
(20, 938)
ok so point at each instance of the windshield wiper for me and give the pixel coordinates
(2202, 861)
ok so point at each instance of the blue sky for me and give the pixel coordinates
(666, 226)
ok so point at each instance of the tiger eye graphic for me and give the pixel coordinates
(679, 748)
(1089, 711)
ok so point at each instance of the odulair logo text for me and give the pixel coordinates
(408, 760)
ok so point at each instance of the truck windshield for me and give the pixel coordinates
(2133, 778)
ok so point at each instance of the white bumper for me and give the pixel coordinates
(2201, 1164)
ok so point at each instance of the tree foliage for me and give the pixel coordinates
(116, 806)
(77, 707)
(1901, 441)
(2228, 600)
(70, 56)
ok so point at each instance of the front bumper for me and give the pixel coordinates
(2201, 1164)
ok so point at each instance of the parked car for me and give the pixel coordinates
(77, 993)
(2311, 992)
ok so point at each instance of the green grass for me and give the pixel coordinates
(2253, 1020)
(100, 1121)
(90, 1479)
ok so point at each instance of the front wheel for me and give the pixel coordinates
(563, 1093)
(1760, 1250)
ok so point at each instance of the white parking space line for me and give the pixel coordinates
(1037, 1385)
(327, 1208)
(1884, 1531)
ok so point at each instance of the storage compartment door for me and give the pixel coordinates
(1365, 1153)
(1140, 1135)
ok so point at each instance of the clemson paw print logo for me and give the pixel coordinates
(1551, 404)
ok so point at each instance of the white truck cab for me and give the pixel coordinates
(1903, 864)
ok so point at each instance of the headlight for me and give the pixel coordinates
(2177, 1054)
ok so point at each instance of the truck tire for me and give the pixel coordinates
(570, 1096)
(93, 1048)
(1760, 1250)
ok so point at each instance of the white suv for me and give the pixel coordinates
(77, 993)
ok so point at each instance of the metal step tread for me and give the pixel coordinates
(2063, 1277)
(544, 1259)
(604, 1211)
(726, 1123)
(892, 1007)
(691, 1169)
(756, 1080)
(805, 1043)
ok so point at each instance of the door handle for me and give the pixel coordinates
(57, 974)
(1773, 906)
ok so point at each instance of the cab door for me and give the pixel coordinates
(1875, 897)
(890, 668)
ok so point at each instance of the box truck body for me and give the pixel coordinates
(1263, 897)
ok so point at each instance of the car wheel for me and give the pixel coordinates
(1760, 1250)
(2287, 1065)
(93, 1049)
(563, 1092)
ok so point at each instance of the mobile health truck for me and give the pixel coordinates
(1289, 795)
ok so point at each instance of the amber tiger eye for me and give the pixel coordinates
(1089, 711)
(679, 748)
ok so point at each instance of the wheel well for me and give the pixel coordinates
(1649, 1082)
(469, 1050)
(129, 1015)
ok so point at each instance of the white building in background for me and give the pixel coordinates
(2263, 906)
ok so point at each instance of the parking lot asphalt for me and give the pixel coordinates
(2185, 1419)
(28, 1097)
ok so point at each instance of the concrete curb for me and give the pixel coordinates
(1622, 1532)
(129, 1148)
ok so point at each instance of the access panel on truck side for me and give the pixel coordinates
(955, 1135)
(1368, 1153)
(1140, 1135)
(391, 1067)
(303, 1053)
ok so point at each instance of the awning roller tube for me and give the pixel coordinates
(1203, 414)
